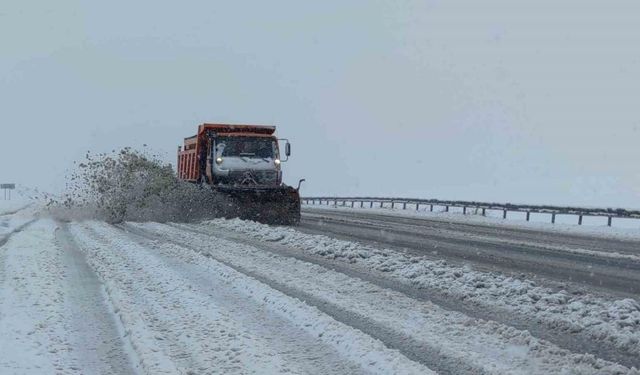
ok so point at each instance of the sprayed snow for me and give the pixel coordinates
(614, 322)
(470, 343)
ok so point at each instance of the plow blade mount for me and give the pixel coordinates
(270, 205)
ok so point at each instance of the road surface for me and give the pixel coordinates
(228, 296)
(607, 264)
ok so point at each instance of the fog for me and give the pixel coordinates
(528, 102)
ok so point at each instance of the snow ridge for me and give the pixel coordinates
(614, 322)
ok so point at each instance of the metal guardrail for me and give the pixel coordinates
(581, 212)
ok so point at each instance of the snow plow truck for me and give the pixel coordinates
(242, 163)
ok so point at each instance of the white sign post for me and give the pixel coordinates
(7, 190)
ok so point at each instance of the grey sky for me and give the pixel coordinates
(498, 100)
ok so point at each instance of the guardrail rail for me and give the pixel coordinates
(416, 204)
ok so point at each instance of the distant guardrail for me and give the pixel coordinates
(416, 204)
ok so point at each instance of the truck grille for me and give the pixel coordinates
(253, 177)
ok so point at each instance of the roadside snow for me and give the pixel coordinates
(14, 219)
(7, 207)
(629, 231)
(469, 343)
(614, 322)
(33, 329)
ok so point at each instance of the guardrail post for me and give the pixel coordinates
(393, 204)
(371, 204)
(609, 221)
(335, 202)
(352, 202)
(361, 204)
(404, 205)
(464, 210)
(484, 211)
(417, 206)
(504, 214)
(580, 220)
(446, 208)
(431, 207)
(553, 218)
(528, 215)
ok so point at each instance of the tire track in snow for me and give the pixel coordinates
(294, 344)
(18, 229)
(7, 213)
(33, 323)
(446, 341)
(577, 343)
(98, 339)
(136, 272)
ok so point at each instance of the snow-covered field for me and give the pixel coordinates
(230, 296)
(10, 206)
(13, 216)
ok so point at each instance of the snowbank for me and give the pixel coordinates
(461, 343)
(614, 322)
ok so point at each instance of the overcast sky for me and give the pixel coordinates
(528, 101)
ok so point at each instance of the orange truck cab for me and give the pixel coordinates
(232, 155)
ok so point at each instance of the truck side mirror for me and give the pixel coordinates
(287, 149)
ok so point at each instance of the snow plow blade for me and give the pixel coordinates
(268, 205)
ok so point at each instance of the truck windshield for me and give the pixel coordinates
(256, 147)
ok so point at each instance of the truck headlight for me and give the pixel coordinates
(276, 161)
(218, 160)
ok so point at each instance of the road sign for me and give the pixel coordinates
(7, 190)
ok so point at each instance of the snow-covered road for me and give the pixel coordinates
(227, 296)
(598, 262)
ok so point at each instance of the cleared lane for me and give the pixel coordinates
(570, 240)
(605, 264)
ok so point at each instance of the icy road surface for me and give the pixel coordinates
(228, 296)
